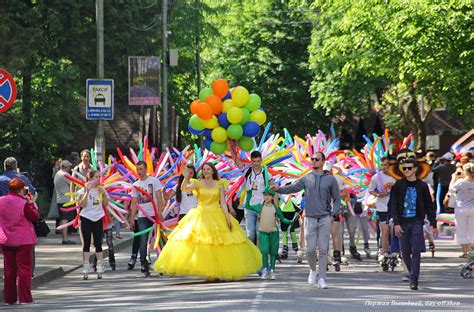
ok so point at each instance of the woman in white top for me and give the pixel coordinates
(464, 209)
(185, 200)
(91, 200)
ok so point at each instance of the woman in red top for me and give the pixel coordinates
(17, 214)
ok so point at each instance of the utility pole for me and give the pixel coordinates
(99, 142)
(198, 57)
(165, 131)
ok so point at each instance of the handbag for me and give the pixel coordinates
(41, 228)
(3, 236)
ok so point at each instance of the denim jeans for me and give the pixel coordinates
(251, 225)
(412, 244)
(143, 224)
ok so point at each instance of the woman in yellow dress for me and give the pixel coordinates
(208, 241)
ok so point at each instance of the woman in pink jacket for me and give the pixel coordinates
(17, 214)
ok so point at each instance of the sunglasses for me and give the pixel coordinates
(316, 159)
(407, 168)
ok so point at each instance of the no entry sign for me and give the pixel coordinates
(7, 90)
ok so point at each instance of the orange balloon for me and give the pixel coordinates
(216, 104)
(204, 111)
(220, 87)
(194, 106)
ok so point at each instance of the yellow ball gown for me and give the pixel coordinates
(203, 245)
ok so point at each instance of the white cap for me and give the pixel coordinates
(447, 156)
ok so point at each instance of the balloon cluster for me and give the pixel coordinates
(222, 115)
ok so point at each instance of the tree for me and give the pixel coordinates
(401, 58)
(263, 46)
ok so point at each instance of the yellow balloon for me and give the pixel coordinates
(210, 123)
(240, 96)
(258, 116)
(219, 135)
(234, 115)
(226, 105)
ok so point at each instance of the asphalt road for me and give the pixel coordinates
(360, 286)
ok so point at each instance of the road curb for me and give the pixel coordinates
(59, 272)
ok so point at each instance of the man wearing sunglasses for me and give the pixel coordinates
(322, 203)
(410, 201)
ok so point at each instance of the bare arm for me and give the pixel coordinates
(133, 212)
(169, 195)
(105, 196)
(82, 202)
(160, 204)
(224, 207)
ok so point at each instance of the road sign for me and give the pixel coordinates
(7, 90)
(100, 99)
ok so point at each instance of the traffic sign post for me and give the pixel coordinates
(7, 90)
(100, 99)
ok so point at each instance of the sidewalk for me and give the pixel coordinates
(53, 259)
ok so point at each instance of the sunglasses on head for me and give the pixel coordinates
(316, 159)
(407, 168)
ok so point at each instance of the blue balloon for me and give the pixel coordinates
(227, 96)
(222, 119)
(251, 129)
(207, 144)
(194, 131)
(207, 133)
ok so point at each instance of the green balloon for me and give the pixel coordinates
(245, 116)
(254, 102)
(196, 122)
(235, 132)
(218, 148)
(204, 93)
(246, 143)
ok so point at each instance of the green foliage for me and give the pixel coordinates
(405, 57)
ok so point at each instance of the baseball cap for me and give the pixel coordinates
(66, 163)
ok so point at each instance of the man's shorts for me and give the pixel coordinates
(66, 215)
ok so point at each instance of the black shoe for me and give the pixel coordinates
(145, 267)
(69, 242)
(131, 264)
(284, 253)
(295, 246)
(354, 253)
(112, 266)
(413, 285)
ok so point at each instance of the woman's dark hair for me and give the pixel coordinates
(215, 174)
(91, 174)
(179, 193)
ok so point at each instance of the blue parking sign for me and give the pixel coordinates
(100, 99)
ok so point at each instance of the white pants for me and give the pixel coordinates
(464, 225)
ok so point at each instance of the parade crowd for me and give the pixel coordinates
(193, 220)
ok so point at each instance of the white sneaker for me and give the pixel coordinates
(271, 275)
(264, 274)
(100, 267)
(86, 267)
(322, 284)
(312, 277)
